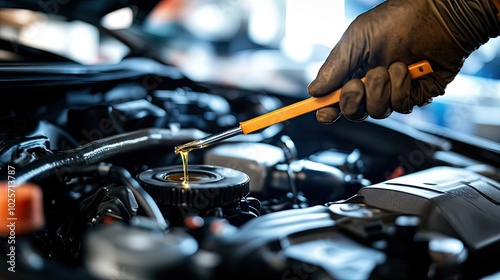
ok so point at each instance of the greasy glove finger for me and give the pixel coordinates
(400, 87)
(424, 89)
(378, 93)
(328, 114)
(407, 93)
(352, 100)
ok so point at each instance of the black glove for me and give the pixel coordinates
(382, 42)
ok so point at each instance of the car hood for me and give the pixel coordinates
(86, 10)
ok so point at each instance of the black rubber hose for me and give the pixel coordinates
(96, 151)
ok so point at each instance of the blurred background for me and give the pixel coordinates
(271, 45)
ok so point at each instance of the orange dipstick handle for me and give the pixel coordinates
(417, 70)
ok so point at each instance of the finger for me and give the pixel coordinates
(378, 93)
(400, 87)
(424, 89)
(328, 115)
(352, 100)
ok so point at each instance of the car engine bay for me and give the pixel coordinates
(86, 157)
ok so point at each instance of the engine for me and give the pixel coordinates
(91, 190)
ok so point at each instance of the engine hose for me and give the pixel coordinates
(98, 150)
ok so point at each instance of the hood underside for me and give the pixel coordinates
(87, 10)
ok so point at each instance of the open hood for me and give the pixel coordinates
(86, 10)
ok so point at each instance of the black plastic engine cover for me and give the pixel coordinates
(452, 201)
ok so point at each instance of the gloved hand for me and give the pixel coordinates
(383, 41)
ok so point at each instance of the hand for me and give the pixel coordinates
(382, 42)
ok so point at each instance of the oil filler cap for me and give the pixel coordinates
(208, 187)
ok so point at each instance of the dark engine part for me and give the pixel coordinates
(211, 191)
(106, 204)
(93, 122)
(122, 251)
(23, 150)
(442, 224)
(274, 174)
(195, 109)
